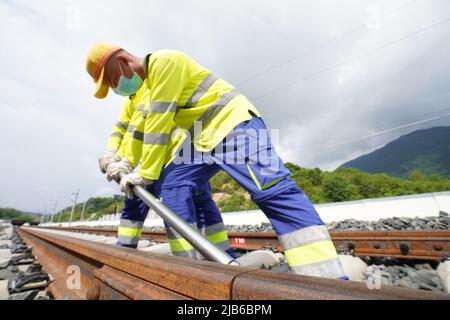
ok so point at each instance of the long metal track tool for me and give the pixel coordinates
(195, 239)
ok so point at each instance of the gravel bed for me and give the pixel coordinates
(420, 276)
(20, 277)
(441, 222)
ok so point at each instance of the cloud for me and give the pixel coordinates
(105, 192)
(53, 130)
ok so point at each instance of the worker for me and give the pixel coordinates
(226, 132)
(134, 213)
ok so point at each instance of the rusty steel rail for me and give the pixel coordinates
(111, 272)
(421, 245)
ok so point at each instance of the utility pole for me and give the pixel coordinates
(42, 217)
(54, 211)
(74, 204)
(82, 211)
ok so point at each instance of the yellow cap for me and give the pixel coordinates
(95, 63)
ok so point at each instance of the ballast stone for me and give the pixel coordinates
(259, 259)
(354, 267)
(444, 273)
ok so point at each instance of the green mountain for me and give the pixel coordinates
(427, 151)
(344, 184)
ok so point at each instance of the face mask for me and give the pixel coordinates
(127, 87)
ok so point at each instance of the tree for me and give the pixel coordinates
(337, 189)
(416, 175)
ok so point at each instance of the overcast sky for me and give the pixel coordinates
(339, 78)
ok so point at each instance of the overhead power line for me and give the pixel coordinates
(355, 29)
(384, 46)
(385, 131)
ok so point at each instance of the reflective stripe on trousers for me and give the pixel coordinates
(218, 235)
(129, 232)
(310, 251)
(209, 220)
(197, 209)
(178, 245)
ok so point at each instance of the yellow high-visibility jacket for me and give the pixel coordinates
(130, 115)
(123, 129)
(117, 134)
(184, 92)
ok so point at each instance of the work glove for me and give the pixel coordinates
(106, 159)
(116, 169)
(133, 179)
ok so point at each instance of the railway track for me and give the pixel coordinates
(89, 270)
(421, 245)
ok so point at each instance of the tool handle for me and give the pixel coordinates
(191, 235)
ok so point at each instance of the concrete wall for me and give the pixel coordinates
(429, 204)
(422, 205)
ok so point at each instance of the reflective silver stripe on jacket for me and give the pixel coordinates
(214, 109)
(163, 107)
(160, 107)
(121, 125)
(116, 134)
(201, 89)
(156, 138)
